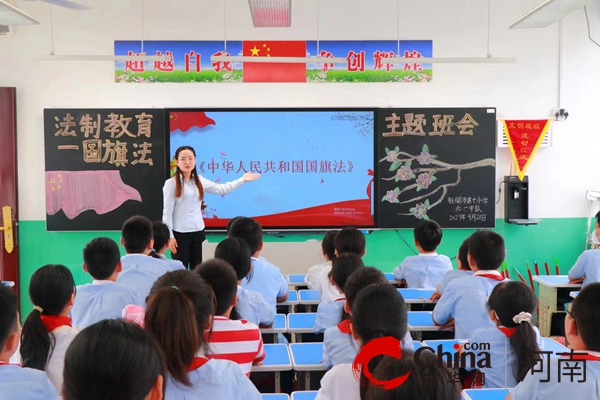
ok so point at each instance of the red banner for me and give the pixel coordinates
(524, 138)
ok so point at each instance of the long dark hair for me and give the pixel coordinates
(50, 289)
(378, 311)
(428, 380)
(508, 299)
(179, 175)
(112, 360)
(179, 307)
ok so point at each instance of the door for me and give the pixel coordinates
(9, 249)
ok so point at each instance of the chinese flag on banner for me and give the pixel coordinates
(274, 72)
(524, 138)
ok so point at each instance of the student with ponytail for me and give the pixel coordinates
(514, 341)
(378, 311)
(183, 197)
(47, 331)
(179, 314)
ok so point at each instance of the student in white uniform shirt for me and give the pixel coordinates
(587, 267)
(114, 360)
(427, 269)
(330, 313)
(379, 311)
(338, 345)
(179, 313)
(139, 270)
(160, 233)
(250, 305)
(348, 240)
(464, 269)
(103, 298)
(582, 327)
(47, 331)
(328, 249)
(17, 383)
(514, 343)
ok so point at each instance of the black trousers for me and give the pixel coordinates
(189, 248)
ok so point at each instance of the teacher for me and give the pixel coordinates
(183, 196)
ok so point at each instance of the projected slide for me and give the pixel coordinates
(316, 166)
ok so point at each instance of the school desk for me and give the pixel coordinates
(549, 286)
(279, 326)
(301, 323)
(416, 345)
(292, 299)
(574, 294)
(555, 347)
(447, 345)
(304, 395)
(8, 283)
(296, 280)
(422, 321)
(309, 297)
(390, 277)
(416, 296)
(277, 359)
(485, 394)
(306, 357)
(274, 396)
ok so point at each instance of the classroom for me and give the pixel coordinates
(488, 69)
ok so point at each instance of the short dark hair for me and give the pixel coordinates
(586, 313)
(136, 233)
(101, 257)
(350, 240)
(598, 217)
(343, 267)
(8, 314)
(161, 235)
(222, 279)
(231, 222)
(236, 253)
(249, 231)
(463, 252)
(112, 359)
(328, 244)
(428, 234)
(487, 249)
(427, 380)
(360, 279)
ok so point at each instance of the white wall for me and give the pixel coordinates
(529, 89)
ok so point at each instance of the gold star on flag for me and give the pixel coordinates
(254, 51)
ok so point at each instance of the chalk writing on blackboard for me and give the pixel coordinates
(468, 208)
(442, 125)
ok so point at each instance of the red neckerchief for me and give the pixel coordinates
(509, 332)
(492, 276)
(576, 356)
(51, 322)
(344, 326)
(341, 299)
(197, 363)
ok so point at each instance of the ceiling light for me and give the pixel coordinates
(548, 13)
(399, 60)
(11, 16)
(271, 13)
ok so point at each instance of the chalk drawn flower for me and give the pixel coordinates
(391, 196)
(420, 211)
(391, 156)
(424, 158)
(404, 173)
(424, 180)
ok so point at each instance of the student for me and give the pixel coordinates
(17, 383)
(464, 269)
(160, 233)
(514, 342)
(183, 197)
(582, 325)
(267, 278)
(250, 305)
(465, 298)
(428, 380)
(179, 314)
(427, 269)
(328, 249)
(587, 267)
(103, 298)
(114, 360)
(379, 311)
(338, 345)
(47, 331)
(348, 240)
(329, 313)
(237, 340)
(139, 270)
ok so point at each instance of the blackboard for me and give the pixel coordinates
(438, 164)
(102, 167)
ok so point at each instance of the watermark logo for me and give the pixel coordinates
(386, 346)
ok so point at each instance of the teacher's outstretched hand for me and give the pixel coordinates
(182, 210)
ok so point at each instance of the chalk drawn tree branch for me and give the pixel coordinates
(401, 164)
